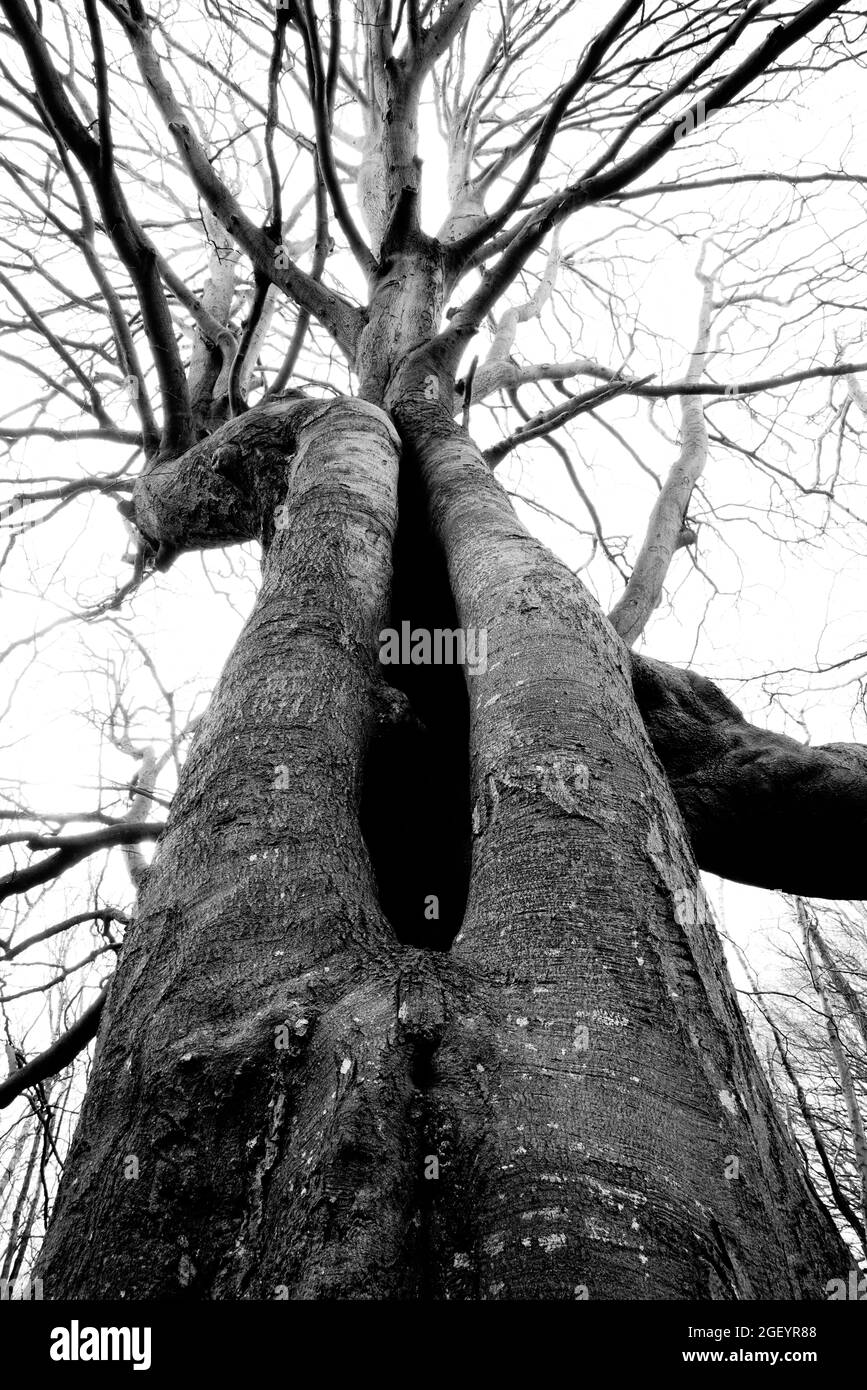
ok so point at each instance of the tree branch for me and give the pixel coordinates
(105, 915)
(665, 529)
(543, 424)
(844, 1206)
(71, 849)
(340, 318)
(841, 984)
(464, 247)
(590, 190)
(133, 248)
(320, 98)
(57, 1056)
(841, 1061)
(454, 16)
(760, 807)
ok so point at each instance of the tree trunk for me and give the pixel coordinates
(297, 1092)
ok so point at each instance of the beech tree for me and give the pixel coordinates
(421, 996)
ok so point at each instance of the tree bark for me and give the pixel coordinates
(596, 1079)
(759, 806)
(242, 1129)
(291, 1097)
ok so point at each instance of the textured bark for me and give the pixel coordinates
(246, 1054)
(406, 300)
(760, 807)
(598, 1169)
(306, 1082)
(284, 1067)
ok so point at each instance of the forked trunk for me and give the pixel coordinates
(292, 1096)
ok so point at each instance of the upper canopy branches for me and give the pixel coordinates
(331, 101)
(202, 210)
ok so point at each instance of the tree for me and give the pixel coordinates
(421, 997)
(818, 1031)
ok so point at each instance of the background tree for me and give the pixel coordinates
(816, 1026)
(422, 996)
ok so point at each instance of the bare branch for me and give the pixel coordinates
(665, 529)
(71, 849)
(57, 1056)
(589, 190)
(838, 1052)
(454, 17)
(462, 249)
(342, 320)
(132, 246)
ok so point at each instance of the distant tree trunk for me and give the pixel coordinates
(291, 1097)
